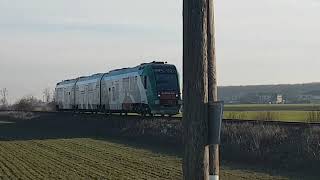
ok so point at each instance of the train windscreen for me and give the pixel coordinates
(166, 79)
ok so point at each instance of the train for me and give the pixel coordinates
(147, 89)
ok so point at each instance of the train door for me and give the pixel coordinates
(97, 95)
(71, 91)
(117, 96)
(83, 96)
(86, 102)
(77, 97)
(90, 92)
(105, 93)
(65, 98)
(113, 97)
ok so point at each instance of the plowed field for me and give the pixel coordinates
(84, 158)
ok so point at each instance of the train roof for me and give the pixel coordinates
(137, 68)
(68, 81)
(94, 76)
(114, 72)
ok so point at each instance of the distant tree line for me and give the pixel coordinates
(28, 103)
(291, 93)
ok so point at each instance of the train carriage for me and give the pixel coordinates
(123, 91)
(64, 95)
(150, 88)
(88, 92)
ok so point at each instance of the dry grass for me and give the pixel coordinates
(313, 116)
(290, 148)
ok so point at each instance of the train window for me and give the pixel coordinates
(167, 82)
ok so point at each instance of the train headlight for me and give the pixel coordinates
(159, 95)
(177, 95)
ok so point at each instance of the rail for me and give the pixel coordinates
(225, 121)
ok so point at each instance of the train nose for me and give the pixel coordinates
(168, 98)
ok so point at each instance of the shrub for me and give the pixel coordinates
(3, 107)
(28, 103)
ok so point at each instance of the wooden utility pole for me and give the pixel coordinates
(199, 90)
(212, 87)
(195, 90)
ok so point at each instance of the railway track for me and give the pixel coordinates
(175, 118)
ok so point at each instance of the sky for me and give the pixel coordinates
(257, 41)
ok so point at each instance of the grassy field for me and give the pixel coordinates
(290, 116)
(283, 112)
(85, 158)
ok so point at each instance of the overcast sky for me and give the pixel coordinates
(258, 41)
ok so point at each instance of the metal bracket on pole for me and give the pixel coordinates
(214, 133)
(214, 177)
(215, 121)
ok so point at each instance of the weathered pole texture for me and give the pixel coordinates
(195, 90)
(212, 85)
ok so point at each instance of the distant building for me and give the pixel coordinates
(280, 99)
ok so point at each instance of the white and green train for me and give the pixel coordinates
(150, 88)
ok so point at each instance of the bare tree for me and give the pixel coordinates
(27, 103)
(47, 95)
(3, 97)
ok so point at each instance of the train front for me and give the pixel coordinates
(166, 91)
